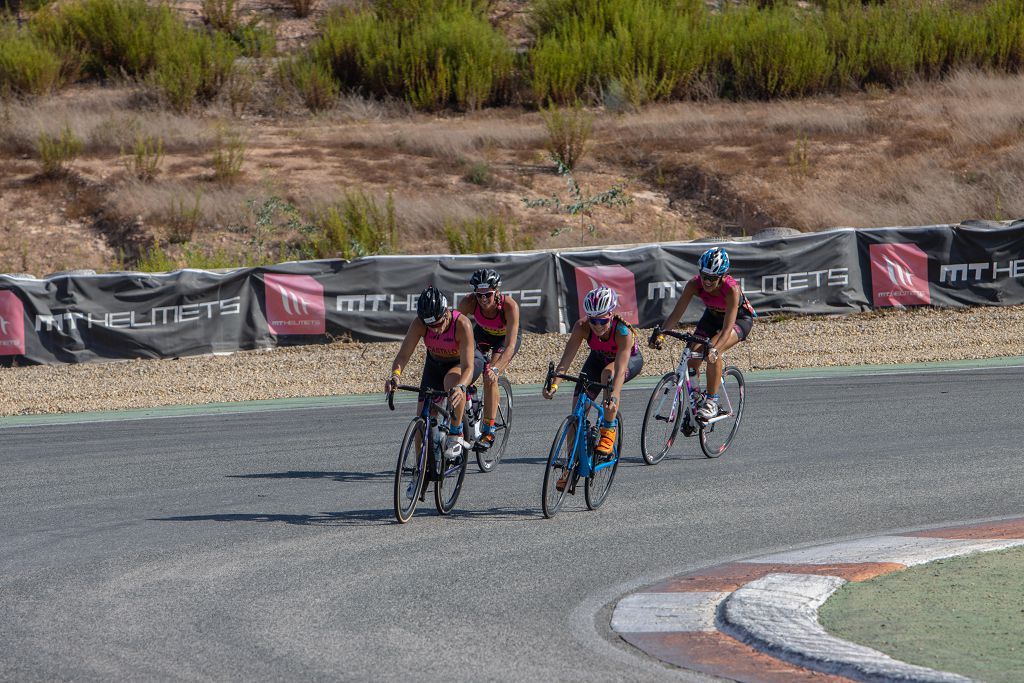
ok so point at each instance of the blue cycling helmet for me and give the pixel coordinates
(714, 261)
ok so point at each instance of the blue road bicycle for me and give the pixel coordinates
(421, 459)
(572, 452)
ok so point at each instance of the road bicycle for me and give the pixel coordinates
(572, 451)
(667, 412)
(421, 459)
(488, 458)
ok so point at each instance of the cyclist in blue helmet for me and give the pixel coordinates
(727, 320)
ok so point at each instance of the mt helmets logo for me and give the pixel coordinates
(12, 325)
(899, 275)
(618, 278)
(295, 304)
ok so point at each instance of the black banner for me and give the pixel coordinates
(79, 318)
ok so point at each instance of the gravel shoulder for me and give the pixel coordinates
(880, 337)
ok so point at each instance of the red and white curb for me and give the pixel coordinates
(757, 621)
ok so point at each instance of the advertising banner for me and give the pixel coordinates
(79, 318)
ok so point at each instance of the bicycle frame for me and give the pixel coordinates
(683, 375)
(428, 397)
(586, 467)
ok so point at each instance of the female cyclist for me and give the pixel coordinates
(726, 321)
(614, 357)
(496, 329)
(452, 362)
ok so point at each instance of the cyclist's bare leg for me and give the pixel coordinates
(451, 378)
(490, 396)
(606, 378)
(715, 368)
(694, 365)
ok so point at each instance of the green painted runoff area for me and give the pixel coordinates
(963, 614)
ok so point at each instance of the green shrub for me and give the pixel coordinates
(255, 40)
(775, 52)
(155, 260)
(311, 81)
(57, 152)
(568, 134)
(143, 159)
(434, 55)
(228, 157)
(356, 226)
(28, 67)
(485, 235)
(112, 37)
(194, 69)
(220, 14)
(183, 219)
(652, 49)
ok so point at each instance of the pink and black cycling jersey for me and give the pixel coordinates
(716, 301)
(609, 347)
(443, 347)
(491, 331)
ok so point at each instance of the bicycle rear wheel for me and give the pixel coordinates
(598, 484)
(488, 459)
(716, 437)
(449, 482)
(559, 466)
(410, 470)
(661, 420)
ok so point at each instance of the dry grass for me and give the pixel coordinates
(930, 153)
(103, 118)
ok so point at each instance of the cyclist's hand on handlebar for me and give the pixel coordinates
(712, 354)
(549, 393)
(612, 400)
(390, 384)
(657, 339)
(457, 395)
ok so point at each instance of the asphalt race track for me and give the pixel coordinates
(262, 546)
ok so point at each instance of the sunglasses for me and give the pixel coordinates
(437, 323)
(599, 321)
(711, 279)
(484, 295)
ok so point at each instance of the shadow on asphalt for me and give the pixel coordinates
(358, 517)
(336, 476)
(351, 518)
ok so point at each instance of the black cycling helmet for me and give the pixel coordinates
(485, 278)
(431, 305)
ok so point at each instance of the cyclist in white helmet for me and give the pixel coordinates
(614, 356)
(727, 319)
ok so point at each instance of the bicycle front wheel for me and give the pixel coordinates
(488, 459)
(661, 420)
(409, 472)
(449, 482)
(716, 437)
(599, 483)
(559, 468)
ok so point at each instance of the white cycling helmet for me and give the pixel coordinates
(600, 301)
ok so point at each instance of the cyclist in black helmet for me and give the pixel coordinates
(453, 362)
(496, 329)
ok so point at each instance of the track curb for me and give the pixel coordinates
(756, 620)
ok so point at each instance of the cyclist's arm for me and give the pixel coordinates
(625, 350)
(572, 345)
(467, 305)
(732, 305)
(512, 325)
(412, 337)
(467, 350)
(689, 291)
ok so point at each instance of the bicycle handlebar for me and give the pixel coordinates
(684, 336)
(425, 392)
(580, 379)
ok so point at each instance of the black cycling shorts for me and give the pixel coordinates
(434, 371)
(711, 323)
(488, 342)
(596, 363)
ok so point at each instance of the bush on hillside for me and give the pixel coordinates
(27, 66)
